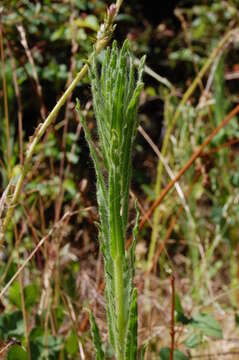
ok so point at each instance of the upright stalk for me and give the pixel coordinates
(115, 99)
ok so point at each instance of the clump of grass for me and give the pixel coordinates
(115, 97)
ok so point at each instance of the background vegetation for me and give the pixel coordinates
(187, 252)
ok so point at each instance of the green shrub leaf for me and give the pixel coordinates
(164, 354)
(16, 352)
(208, 325)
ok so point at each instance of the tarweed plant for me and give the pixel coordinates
(116, 94)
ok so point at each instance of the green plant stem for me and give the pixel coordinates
(117, 251)
(41, 130)
(116, 97)
(169, 130)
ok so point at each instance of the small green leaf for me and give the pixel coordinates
(125, 18)
(180, 317)
(237, 320)
(148, 191)
(72, 344)
(39, 350)
(16, 352)
(72, 158)
(30, 295)
(235, 179)
(178, 305)
(81, 4)
(89, 22)
(58, 34)
(164, 354)
(70, 186)
(193, 340)
(14, 294)
(208, 325)
(11, 325)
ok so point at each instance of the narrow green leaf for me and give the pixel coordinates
(141, 68)
(96, 338)
(132, 331)
(135, 233)
(110, 310)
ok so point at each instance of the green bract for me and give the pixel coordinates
(116, 96)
